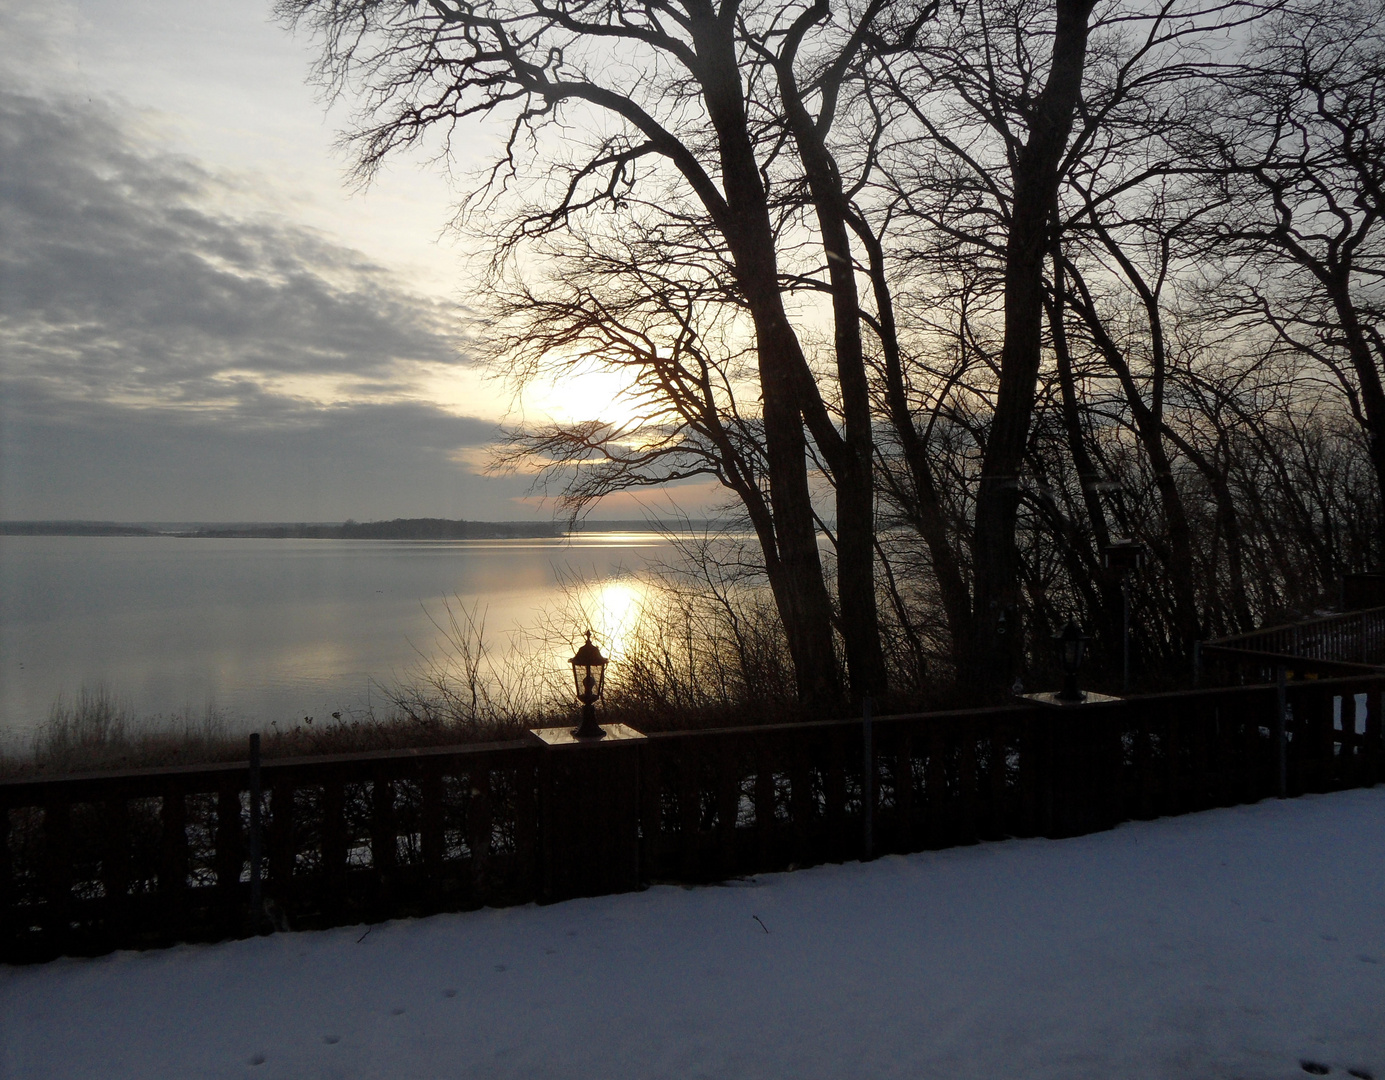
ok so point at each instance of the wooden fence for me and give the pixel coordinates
(147, 858)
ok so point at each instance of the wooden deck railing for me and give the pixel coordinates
(1351, 637)
(146, 858)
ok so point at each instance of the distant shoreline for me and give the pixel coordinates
(396, 529)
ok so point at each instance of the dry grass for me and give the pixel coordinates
(98, 732)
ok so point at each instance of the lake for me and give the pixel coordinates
(275, 630)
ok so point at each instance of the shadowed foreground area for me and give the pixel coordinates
(1240, 942)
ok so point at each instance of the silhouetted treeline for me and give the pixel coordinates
(397, 529)
(72, 528)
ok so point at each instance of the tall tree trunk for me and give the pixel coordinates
(1107, 581)
(997, 641)
(1177, 553)
(1150, 428)
(1367, 373)
(926, 507)
(849, 455)
(801, 592)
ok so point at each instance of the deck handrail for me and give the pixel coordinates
(1356, 637)
(149, 857)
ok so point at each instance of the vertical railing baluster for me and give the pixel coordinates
(335, 876)
(256, 838)
(690, 766)
(431, 840)
(652, 861)
(57, 871)
(115, 869)
(9, 929)
(1375, 734)
(764, 804)
(173, 863)
(725, 756)
(1173, 765)
(229, 856)
(384, 840)
(526, 884)
(939, 802)
(867, 780)
(282, 849)
(834, 790)
(479, 825)
(904, 787)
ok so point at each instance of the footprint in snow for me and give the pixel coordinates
(331, 1040)
(1315, 1068)
(257, 1059)
(1366, 958)
(396, 1012)
(449, 992)
(501, 967)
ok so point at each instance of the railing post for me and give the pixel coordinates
(867, 782)
(1281, 732)
(1197, 664)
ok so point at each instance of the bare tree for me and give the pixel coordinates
(1300, 163)
(694, 103)
(1012, 133)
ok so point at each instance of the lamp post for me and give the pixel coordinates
(1072, 647)
(588, 676)
(1123, 556)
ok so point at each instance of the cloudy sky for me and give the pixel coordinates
(200, 320)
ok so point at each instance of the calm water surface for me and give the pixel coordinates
(268, 629)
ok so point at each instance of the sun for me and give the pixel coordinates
(591, 394)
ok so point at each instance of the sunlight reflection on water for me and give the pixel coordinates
(263, 629)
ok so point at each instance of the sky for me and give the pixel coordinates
(201, 317)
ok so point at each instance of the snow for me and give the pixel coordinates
(1238, 943)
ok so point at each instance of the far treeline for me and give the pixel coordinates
(1000, 281)
(398, 529)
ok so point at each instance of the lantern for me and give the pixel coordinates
(588, 676)
(1072, 647)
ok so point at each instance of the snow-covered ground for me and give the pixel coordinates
(1238, 943)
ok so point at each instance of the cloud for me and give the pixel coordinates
(95, 460)
(125, 272)
(168, 351)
